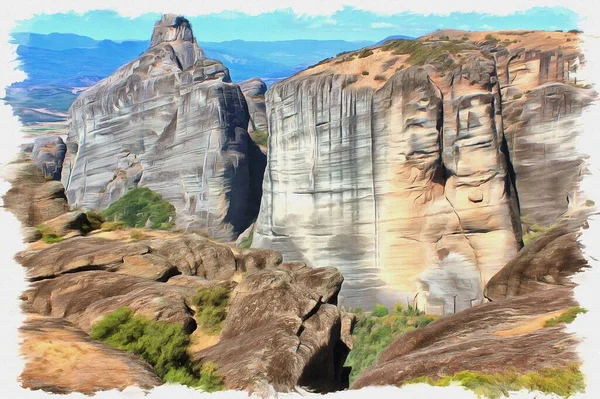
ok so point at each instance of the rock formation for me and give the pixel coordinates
(283, 327)
(487, 339)
(172, 121)
(48, 154)
(283, 330)
(402, 167)
(254, 90)
(60, 358)
(531, 289)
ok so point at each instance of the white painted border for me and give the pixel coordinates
(12, 280)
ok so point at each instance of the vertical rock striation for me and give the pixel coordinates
(172, 121)
(407, 180)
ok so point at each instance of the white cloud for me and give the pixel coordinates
(382, 25)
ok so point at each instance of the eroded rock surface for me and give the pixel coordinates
(549, 261)
(48, 154)
(283, 330)
(488, 339)
(254, 90)
(32, 198)
(172, 121)
(408, 178)
(61, 358)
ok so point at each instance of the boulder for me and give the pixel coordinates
(249, 260)
(68, 224)
(550, 260)
(32, 198)
(85, 297)
(60, 358)
(282, 330)
(485, 339)
(48, 154)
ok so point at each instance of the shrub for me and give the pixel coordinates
(563, 381)
(259, 137)
(365, 73)
(372, 334)
(49, 236)
(490, 38)
(379, 77)
(567, 317)
(137, 235)
(364, 53)
(112, 226)
(247, 242)
(162, 345)
(96, 219)
(138, 206)
(211, 304)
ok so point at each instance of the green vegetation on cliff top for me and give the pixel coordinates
(376, 331)
(211, 308)
(162, 345)
(140, 205)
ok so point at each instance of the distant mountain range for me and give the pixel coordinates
(60, 65)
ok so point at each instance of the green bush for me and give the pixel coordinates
(137, 235)
(211, 307)
(260, 137)
(423, 53)
(162, 345)
(379, 77)
(567, 317)
(373, 333)
(112, 226)
(247, 242)
(96, 219)
(365, 73)
(49, 236)
(364, 53)
(563, 381)
(138, 206)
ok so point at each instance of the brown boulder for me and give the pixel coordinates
(280, 333)
(250, 260)
(84, 298)
(549, 260)
(60, 358)
(487, 339)
(68, 224)
(198, 256)
(32, 198)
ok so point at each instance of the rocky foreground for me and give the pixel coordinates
(283, 327)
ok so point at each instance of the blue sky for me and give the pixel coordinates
(347, 24)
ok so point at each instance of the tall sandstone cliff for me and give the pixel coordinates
(410, 165)
(172, 121)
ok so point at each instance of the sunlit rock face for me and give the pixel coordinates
(171, 120)
(376, 189)
(413, 180)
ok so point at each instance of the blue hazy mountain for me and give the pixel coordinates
(59, 65)
(395, 37)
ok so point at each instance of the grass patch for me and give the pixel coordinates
(162, 345)
(424, 53)
(137, 235)
(260, 137)
(49, 236)
(379, 77)
(562, 381)
(375, 332)
(364, 53)
(567, 317)
(247, 242)
(211, 308)
(365, 73)
(112, 226)
(532, 232)
(139, 206)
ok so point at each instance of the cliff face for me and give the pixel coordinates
(171, 120)
(398, 164)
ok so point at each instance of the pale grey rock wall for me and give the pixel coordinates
(254, 90)
(364, 180)
(172, 121)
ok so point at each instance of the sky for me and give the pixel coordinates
(346, 24)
